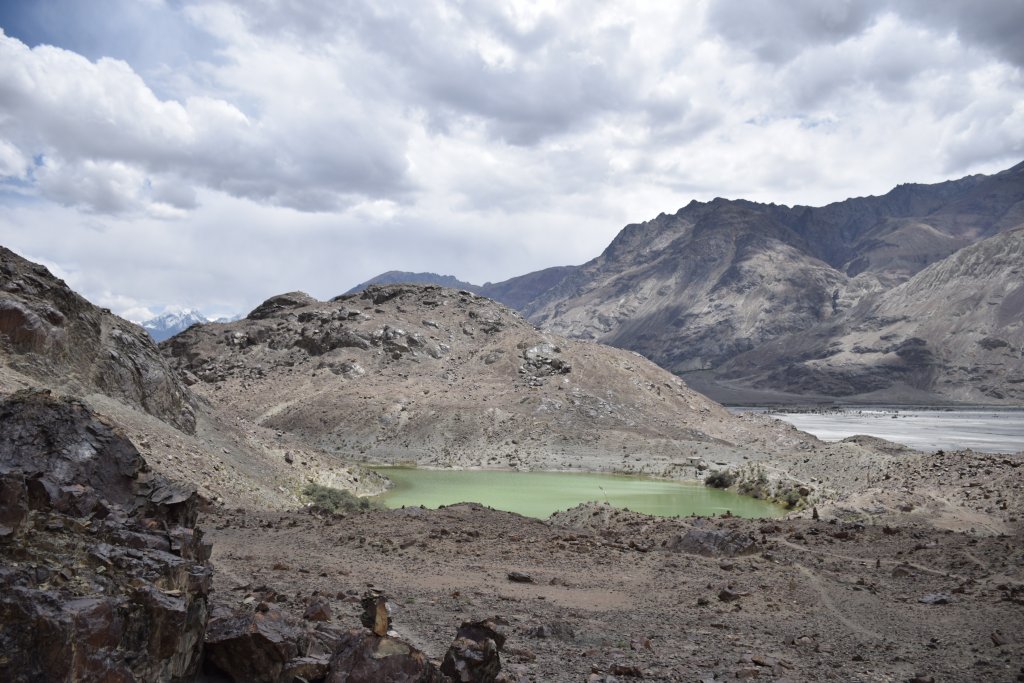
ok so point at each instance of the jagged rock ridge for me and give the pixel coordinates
(54, 336)
(103, 573)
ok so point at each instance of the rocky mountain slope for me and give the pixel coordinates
(721, 279)
(53, 336)
(955, 329)
(693, 289)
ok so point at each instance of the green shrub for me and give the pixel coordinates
(791, 498)
(334, 500)
(755, 485)
(720, 479)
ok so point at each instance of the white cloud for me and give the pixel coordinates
(312, 145)
(13, 163)
(100, 119)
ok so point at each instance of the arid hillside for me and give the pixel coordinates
(435, 376)
(955, 329)
(52, 338)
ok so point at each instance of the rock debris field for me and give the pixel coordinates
(609, 595)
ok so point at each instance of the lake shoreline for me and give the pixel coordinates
(542, 493)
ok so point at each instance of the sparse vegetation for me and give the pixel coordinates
(791, 498)
(754, 483)
(720, 479)
(334, 501)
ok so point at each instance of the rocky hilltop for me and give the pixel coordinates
(395, 277)
(733, 279)
(436, 376)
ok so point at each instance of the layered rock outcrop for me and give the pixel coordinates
(104, 575)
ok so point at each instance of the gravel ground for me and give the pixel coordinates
(617, 596)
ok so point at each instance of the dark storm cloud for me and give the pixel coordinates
(994, 25)
(778, 31)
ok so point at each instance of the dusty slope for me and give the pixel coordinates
(954, 330)
(445, 378)
(51, 337)
(616, 595)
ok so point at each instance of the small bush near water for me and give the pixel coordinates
(720, 479)
(334, 500)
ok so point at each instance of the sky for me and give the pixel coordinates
(169, 153)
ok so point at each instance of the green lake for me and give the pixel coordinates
(538, 494)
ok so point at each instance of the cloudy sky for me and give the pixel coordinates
(210, 154)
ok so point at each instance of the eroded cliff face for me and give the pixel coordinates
(53, 336)
(104, 575)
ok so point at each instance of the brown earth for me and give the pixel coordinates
(617, 595)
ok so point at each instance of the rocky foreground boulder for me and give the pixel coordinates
(103, 573)
(105, 577)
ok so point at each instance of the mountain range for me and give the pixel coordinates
(166, 325)
(912, 296)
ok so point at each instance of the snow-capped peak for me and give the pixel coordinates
(168, 324)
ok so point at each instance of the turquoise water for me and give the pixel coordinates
(538, 494)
